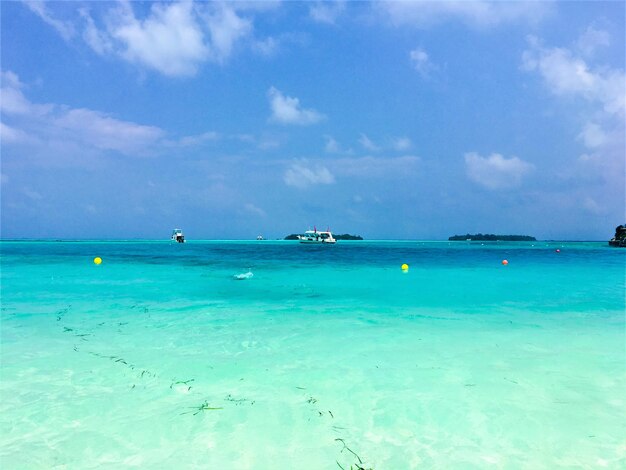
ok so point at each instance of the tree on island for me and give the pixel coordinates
(489, 237)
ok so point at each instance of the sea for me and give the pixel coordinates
(280, 355)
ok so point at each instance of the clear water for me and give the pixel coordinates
(327, 356)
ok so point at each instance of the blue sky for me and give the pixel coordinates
(390, 119)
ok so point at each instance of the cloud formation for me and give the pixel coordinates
(495, 171)
(401, 144)
(13, 100)
(332, 146)
(64, 28)
(287, 110)
(593, 135)
(105, 132)
(368, 144)
(226, 28)
(591, 40)
(169, 40)
(254, 210)
(300, 175)
(326, 12)
(476, 14)
(567, 75)
(174, 39)
(193, 140)
(599, 93)
(421, 62)
(10, 135)
(50, 125)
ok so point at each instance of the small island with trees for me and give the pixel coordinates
(345, 236)
(488, 237)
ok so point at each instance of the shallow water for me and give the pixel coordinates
(325, 356)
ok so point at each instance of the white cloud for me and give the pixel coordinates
(477, 14)
(200, 139)
(225, 28)
(13, 100)
(61, 127)
(495, 171)
(567, 75)
(421, 62)
(326, 12)
(65, 29)
(11, 80)
(600, 94)
(57, 126)
(266, 47)
(252, 209)
(170, 40)
(269, 143)
(107, 133)
(287, 110)
(98, 40)
(368, 144)
(10, 135)
(401, 143)
(332, 146)
(174, 39)
(271, 46)
(591, 39)
(300, 175)
(593, 135)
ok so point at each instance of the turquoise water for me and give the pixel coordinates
(326, 357)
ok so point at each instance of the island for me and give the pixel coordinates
(619, 239)
(488, 237)
(345, 236)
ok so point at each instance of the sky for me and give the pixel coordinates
(409, 120)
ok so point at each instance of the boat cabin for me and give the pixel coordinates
(177, 236)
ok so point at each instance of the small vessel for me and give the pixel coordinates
(315, 237)
(260, 237)
(177, 236)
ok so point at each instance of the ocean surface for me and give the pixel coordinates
(317, 357)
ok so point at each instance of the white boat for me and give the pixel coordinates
(260, 237)
(315, 237)
(177, 236)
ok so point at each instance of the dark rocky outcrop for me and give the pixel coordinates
(620, 237)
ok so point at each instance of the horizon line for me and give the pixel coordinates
(58, 239)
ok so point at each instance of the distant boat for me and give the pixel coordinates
(177, 236)
(260, 237)
(315, 237)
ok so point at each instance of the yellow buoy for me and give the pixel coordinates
(97, 260)
(405, 267)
